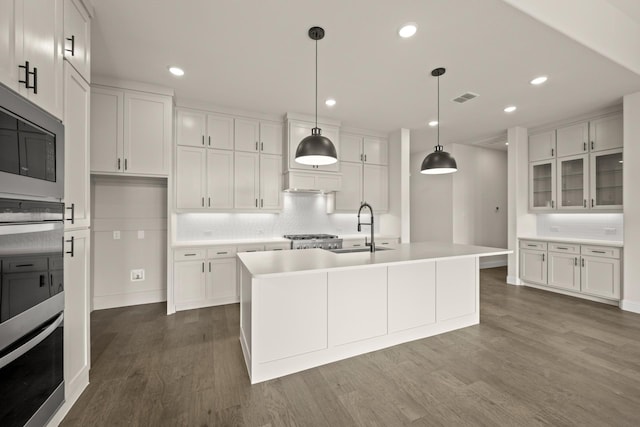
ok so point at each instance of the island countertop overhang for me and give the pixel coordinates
(272, 264)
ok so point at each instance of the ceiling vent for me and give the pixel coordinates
(468, 96)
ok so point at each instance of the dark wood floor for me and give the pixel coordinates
(537, 358)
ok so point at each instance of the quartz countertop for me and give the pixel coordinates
(615, 243)
(262, 264)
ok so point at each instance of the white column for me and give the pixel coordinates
(520, 221)
(631, 199)
(397, 221)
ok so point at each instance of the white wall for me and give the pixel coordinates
(631, 197)
(130, 206)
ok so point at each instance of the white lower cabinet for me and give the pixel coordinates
(221, 281)
(580, 269)
(412, 295)
(77, 299)
(189, 284)
(352, 316)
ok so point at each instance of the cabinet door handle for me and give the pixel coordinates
(592, 203)
(256, 145)
(209, 141)
(202, 139)
(583, 262)
(209, 266)
(575, 261)
(584, 203)
(203, 267)
(203, 202)
(118, 163)
(584, 146)
(553, 203)
(256, 203)
(365, 157)
(72, 39)
(209, 202)
(27, 74)
(592, 145)
(71, 252)
(125, 164)
(361, 157)
(542, 257)
(73, 213)
(261, 203)
(552, 152)
(262, 146)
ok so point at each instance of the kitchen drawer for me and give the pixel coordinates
(221, 252)
(189, 254)
(601, 251)
(533, 244)
(277, 246)
(24, 264)
(564, 247)
(386, 242)
(250, 248)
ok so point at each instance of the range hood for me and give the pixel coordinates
(312, 182)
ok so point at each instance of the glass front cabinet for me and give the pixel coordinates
(573, 182)
(542, 186)
(606, 179)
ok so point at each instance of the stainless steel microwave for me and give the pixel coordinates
(31, 149)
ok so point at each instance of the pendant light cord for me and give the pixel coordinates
(316, 83)
(438, 138)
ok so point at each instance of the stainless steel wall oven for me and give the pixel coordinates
(31, 311)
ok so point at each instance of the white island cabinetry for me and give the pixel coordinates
(301, 309)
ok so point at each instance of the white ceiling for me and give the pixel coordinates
(255, 55)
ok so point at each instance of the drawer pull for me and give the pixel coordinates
(24, 265)
(542, 257)
(563, 248)
(252, 250)
(532, 246)
(583, 262)
(277, 249)
(575, 261)
(385, 243)
(190, 254)
(599, 252)
(222, 253)
(357, 244)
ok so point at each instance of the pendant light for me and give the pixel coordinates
(316, 149)
(439, 161)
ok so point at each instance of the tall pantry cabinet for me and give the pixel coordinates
(76, 120)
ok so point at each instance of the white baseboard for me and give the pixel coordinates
(512, 280)
(72, 394)
(133, 298)
(492, 264)
(572, 294)
(628, 305)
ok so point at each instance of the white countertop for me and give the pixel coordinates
(615, 243)
(261, 264)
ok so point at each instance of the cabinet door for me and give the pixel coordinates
(542, 185)
(221, 280)
(220, 179)
(147, 133)
(42, 30)
(271, 138)
(246, 180)
(77, 294)
(572, 140)
(191, 177)
(76, 153)
(375, 150)
(351, 148)
(375, 184)
(357, 304)
(412, 295)
(189, 282)
(542, 146)
(107, 130)
(10, 10)
(606, 133)
(573, 182)
(300, 130)
(606, 179)
(220, 132)
(350, 196)
(270, 181)
(77, 37)
(564, 271)
(191, 128)
(533, 266)
(600, 276)
(247, 135)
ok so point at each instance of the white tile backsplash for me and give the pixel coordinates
(581, 226)
(301, 213)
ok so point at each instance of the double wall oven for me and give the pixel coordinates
(31, 263)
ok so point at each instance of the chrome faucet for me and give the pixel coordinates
(371, 245)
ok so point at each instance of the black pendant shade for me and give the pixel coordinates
(316, 149)
(438, 162)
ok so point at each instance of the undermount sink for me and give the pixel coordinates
(352, 250)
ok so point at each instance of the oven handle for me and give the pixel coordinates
(20, 351)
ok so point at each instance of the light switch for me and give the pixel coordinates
(116, 235)
(140, 234)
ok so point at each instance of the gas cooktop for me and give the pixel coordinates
(309, 236)
(310, 241)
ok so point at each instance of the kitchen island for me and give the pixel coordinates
(305, 308)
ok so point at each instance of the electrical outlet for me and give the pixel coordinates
(137, 275)
(140, 234)
(116, 235)
(555, 229)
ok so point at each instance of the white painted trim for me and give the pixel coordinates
(511, 280)
(598, 114)
(572, 294)
(205, 107)
(72, 394)
(628, 305)
(493, 264)
(312, 119)
(130, 85)
(123, 300)
(181, 306)
(363, 132)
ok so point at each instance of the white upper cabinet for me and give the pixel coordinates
(542, 185)
(77, 37)
(606, 133)
(219, 132)
(270, 181)
(349, 198)
(190, 128)
(9, 12)
(219, 179)
(191, 177)
(247, 135)
(351, 148)
(375, 150)
(542, 146)
(573, 182)
(131, 132)
(606, 179)
(258, 136)
(376, 187)
(247, 180)
(76, 125)
(572, 140)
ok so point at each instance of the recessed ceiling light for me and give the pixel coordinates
(538, 80)
(433, 123)
(506, 143)
(510, 109)
(330, 102)
(408, 30)
(176, 71)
